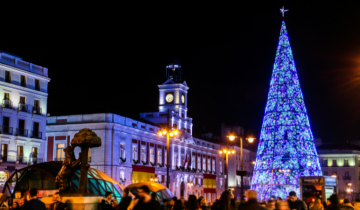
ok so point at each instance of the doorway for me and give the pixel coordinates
(182, 188)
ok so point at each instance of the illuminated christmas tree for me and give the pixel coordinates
(286, 149)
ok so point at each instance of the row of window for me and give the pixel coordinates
(23, 81)
(7, 103)
(19, 154)
(20, 130)
(346, 173)
(185, 159)
(334, 162)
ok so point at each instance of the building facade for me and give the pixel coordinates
(343, 161)
(24, 87)
(132, 151)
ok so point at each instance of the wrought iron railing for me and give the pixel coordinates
(347, 178)
(23, 107)
(6, 130)
(8, 158)
(7, 103)
(36, 135)
(36, 160)
(59, 159)
(21, 159)
(37, 110)
(21, 132)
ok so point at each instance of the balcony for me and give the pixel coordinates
(21, 132)
(35, 160)
(7, 104)
(6, 130)
(36, 135)
(23, 107)
(347, 178)
(37, 110)
(21, 160)
(8, 158)
(59, 159)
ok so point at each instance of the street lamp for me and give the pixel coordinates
(349, 190)
(226, 151)
(153, 179)
(250, 138)
(169, 132)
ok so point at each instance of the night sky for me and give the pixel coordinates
(114, 56)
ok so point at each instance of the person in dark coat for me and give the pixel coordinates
(295, 203)
(125, 200)
(334, 203)
(252, 203)
(106, 203)
(145, 202)
(223, 203)
(34, 203)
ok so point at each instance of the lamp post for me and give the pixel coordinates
(168, 132)
(154, 179)
(250, 138)
(349, 190)
(227, 151)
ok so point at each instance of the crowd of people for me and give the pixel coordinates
(227, 202)
(145, 200)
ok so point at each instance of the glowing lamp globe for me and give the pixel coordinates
(171, 134)
(164, 132)
(251, 140)
(231, 138)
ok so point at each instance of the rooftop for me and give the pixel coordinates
(11, 60)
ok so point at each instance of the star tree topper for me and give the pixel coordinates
(282, 10)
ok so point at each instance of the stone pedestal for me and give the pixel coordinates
(78, 203)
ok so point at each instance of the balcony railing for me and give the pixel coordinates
(347, 178)
(37, 110)
(21, 159)
(8, 158)
(36, 160)
(21, 132)
(7, 104)
(23, 107)
(6, 130)
(36, 135)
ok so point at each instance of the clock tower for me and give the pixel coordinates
(173, 100)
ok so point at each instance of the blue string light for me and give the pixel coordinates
(286, 149)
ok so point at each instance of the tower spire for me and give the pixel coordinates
(286, 148)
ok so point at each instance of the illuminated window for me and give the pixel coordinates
(208, 164)
(165, 157)
(213, 165)
(134, 151)
(60, 154)
(334, 162)
(204, 164)
(193, 162)
(175, 159)
(122, 150)
(198, 162)
(220, 167)
(159, 156)
(143, 154)
(152, 156)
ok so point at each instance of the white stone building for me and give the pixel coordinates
(132, 151)
(342, 160)
(24, 88)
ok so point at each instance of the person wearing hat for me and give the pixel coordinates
(334, 203)
(145, 201)
(295, 203)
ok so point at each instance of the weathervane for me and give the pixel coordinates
(282, 10)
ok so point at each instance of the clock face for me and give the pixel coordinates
(169, 97)
(183, 99)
